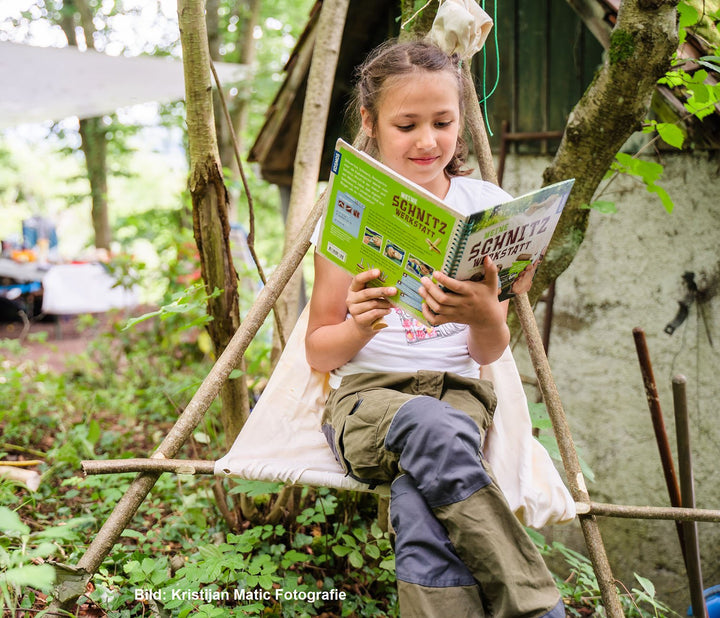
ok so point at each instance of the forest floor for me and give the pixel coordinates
(48, 342)
(55, 339)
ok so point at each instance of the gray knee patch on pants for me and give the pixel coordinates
(439, 448)
(423, 552)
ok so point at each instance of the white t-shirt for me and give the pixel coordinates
(409, 345)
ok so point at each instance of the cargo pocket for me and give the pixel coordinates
(360, 443)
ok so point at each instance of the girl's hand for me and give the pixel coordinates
(465, 302)
(368, 305)
(474, 303)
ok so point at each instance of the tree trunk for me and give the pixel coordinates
(92, 132)
(310, 142)
(94, 147)
(210, 204)
(612, 108)
(416, 22)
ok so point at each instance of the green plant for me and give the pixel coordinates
(23, 570)
(581, 592)
(698, 90)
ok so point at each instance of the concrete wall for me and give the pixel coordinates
(628, 273)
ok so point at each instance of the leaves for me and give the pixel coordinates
(10, 522)
(648, 171)
(603, 206)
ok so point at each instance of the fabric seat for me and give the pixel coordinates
(282, 441)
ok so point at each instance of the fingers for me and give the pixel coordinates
(451, 300)
(491, 273)
(368, 305)
(361, 279)
(360, 290)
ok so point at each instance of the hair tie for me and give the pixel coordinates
(460, 27)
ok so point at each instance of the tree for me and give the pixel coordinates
(210, 204)
(611, 109)
(92, 130)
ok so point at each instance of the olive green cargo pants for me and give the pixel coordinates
(460, 551)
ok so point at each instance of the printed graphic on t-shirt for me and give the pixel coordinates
(417, 332)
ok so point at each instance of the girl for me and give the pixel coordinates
(407, 406)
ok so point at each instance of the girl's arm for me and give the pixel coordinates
(474, 303)
(331, 339)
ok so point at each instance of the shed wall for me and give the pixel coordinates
(628, 273)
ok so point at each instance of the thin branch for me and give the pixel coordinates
(647, 512)
(7, 446)
(123, 466)
(414, 16)
(251, 207)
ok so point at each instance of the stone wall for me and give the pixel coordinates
(628, 273)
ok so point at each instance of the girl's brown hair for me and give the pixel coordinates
(393, 59)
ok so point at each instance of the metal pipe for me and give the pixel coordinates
(658, 422)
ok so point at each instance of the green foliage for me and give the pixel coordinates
(581, 592)
(546, 436)
(190, 301)
(308, 566)
(699, 91)
(23, 554)
(647, 171)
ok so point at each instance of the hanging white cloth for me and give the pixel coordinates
(460, 27)
(282, 440)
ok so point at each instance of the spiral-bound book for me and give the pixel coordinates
(376, 218)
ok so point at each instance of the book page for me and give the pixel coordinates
(515, 235)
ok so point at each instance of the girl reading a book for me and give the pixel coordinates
(410, 410)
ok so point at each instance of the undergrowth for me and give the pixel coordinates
(326, 555)
(179, 557)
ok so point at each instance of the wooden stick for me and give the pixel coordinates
(122, 466)
(647, 512)
(22, 464)
(576, 480)
(658, 422)
(687, 491)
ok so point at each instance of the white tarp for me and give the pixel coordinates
(52, 83)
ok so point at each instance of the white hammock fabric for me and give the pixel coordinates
(282, 440)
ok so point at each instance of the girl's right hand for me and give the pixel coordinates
(368, 305)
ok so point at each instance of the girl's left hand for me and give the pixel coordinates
(464, 302)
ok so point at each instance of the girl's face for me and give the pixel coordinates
(417, 127)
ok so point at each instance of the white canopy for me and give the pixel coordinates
(51, 83)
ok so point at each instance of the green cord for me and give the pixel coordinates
(487, 95)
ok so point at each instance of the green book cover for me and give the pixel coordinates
(379, 219)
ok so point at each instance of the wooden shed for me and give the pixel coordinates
(539, 59)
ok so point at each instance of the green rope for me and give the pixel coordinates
(486, 94)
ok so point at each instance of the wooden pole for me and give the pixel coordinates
(687, 491)
(658, 422)
(576, 480)
(647, 512)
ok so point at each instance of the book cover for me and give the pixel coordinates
(379, 219)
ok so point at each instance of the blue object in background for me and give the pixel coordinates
(35, 228)
(712, 602)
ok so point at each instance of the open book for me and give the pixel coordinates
(379, 219)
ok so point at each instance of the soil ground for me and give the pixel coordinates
(56, 338)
